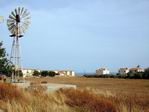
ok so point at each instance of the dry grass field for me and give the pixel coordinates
(92, 95)
(130, 86)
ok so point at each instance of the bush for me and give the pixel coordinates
(146, 74)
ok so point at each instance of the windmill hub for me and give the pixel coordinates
(17, 23)
(17, 18)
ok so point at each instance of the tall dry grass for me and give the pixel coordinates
(92, 101)
(36, 99)
(10, 92)
(84, 100)
(31, 100)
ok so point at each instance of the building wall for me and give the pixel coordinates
(27, 72)
(136, 70)
(102, 71)
(123, 70)
(67, 73)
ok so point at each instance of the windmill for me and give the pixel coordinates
(17, 22)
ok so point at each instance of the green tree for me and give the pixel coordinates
(146, 74)
(36, 73)
(52, 74)
(44, 73)
(5, 65)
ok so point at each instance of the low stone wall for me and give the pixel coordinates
(50, 87)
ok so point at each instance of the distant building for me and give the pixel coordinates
(136, 70)
(65, 73)
(28, 72)
(102, 71)
(123, 71)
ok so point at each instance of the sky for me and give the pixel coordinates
(81, 35)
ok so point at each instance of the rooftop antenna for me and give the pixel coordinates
(17, 22)
(138, 66)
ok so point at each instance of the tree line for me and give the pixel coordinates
(45, 73)
(130, 75)
(137, 75)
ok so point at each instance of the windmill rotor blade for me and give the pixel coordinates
(11, 28)
(27, 18)
(22, 10)
(10, 21)
(11, 17)
(24, 13)
(27, 22)
(11, 24)
(25, 26)
(19, 30)
(16, 12)
(19, 10)
(12, 31)
(22, 29)
(13, 14)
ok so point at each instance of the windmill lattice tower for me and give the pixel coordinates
(17, 23)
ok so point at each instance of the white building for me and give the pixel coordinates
(136, 70)
(123, 71)
(28, 72)
(102, 71)
(68, 73)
